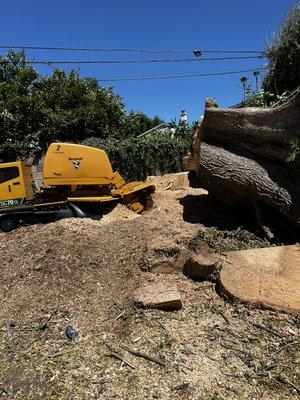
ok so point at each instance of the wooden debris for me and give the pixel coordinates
(285, 380)
(182, 387)
(9, 334)
(240, 155)
(158, 296)
(265, 328)
(199, 266)
(118, 357)
(267, 277)
(285, 346)
(164, 256)
(222, 314)
(120, 316)
(138, 353)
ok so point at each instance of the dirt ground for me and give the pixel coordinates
(83, 273)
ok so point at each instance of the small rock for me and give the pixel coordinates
(158, 296)
(70, 332)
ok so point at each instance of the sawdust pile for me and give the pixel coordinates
(84, 264)
(83, 272)
(71, 264)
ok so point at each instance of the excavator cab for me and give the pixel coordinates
(15, 183)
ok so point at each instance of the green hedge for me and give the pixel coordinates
(135, 159)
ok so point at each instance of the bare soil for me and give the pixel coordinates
(84, 272)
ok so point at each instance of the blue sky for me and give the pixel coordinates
(169, 24)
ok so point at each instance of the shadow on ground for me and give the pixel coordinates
(207, 210)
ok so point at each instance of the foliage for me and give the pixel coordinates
(137, 123)
(36, 110)
(19, 112)
(283, 53)
(75, 108)
(295, 150)
(135, 159)
(228, 240)
(185, 131)
(263, 99)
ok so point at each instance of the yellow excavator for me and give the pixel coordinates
(77, 182)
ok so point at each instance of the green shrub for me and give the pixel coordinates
(135, 159)
(263, 99)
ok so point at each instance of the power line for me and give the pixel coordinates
(142, 61)
(172, 76)
(96, 49)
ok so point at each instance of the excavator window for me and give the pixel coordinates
(8, 173)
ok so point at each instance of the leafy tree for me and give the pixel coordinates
(36, 110)
(20, 114)
(284, 56)
(75, 108)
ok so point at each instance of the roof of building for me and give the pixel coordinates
(160, 126)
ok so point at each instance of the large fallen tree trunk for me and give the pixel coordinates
(265, 132)
(239, 180)
(240, 156)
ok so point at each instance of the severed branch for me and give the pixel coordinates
(9, 335)
(118, 357)
(144, 355)
(285, 380)
(266, 230)
(222, 314)
(231, 389)
(285, 346)
(209, 357)
(271, 331)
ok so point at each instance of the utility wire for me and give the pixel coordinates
(95, 49)
(142, 61)
(172, 76)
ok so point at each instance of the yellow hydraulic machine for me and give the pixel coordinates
(75, 177)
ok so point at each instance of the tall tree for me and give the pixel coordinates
(284, 55)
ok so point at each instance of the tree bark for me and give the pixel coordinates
(265, 132)
(240, 156)
(239, 178)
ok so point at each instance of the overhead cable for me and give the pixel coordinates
(172, 76)
(95, 49)
(141, 61)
